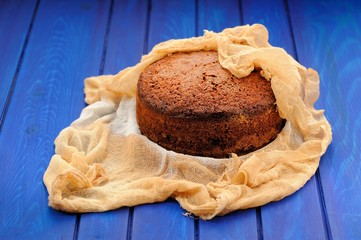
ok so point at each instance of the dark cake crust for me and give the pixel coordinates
(188, 103)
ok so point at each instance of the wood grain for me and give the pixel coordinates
(215, 16)
(273, 15)
(15, 21)
(302, 211)
(236, 225)
(104, 225)
(65, 46)
(296, 217)
(127, 35)
(327, 36)
(168, 20)
(125, 44)
(161, 221)
(171, 20)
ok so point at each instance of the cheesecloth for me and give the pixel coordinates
(102, 162)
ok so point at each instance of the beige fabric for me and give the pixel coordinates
(102, 162)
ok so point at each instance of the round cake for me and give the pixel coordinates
(188, 103)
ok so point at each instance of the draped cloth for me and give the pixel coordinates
(102, 161)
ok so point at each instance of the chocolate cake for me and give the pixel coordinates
(188, 103)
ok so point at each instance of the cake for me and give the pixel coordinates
(188, 103)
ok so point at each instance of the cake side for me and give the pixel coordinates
(209, 137)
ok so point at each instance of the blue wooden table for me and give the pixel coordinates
(48, 47)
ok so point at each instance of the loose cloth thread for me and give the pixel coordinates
(102, 162)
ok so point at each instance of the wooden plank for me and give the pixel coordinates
(168, 20)
(273, 15)
(302, 211)
(235, 225)
(65, 46)
(161, 221)
(126, 36)
(327, 36)
(295, 217)
(124, 48)
(215, 16)
(104, 225)
(15, 19)
(171, 20)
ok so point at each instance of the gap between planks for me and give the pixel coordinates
(101, 71)
(18, 67)
(320, 192)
